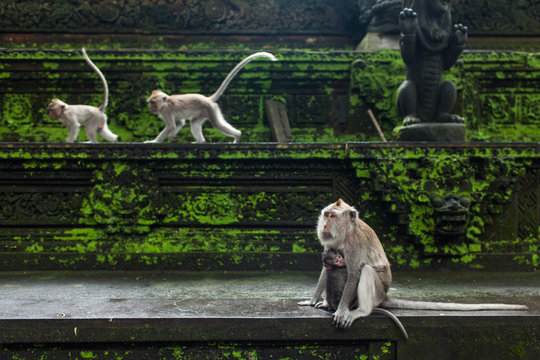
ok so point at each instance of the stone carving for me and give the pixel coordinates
(429, 45)
(450, 205)
(123, 199)
(499, 16)
(173, 16)
(380, 16)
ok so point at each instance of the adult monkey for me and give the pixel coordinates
(176, 109)
(75, 116)
(340, 228)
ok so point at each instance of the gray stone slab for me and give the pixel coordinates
(149, 312)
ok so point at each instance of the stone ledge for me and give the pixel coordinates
(137, 315)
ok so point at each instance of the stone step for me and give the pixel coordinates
(254, 315)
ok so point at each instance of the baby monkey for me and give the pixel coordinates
(75, 116)
(336, 277)
(176, 109)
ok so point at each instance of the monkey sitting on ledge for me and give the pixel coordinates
(336, 277)
(340, 228)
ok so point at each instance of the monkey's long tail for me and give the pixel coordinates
(394, 318)
(390, 303)
(215, 96)
(100, 74)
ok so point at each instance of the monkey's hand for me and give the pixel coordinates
(311, 302)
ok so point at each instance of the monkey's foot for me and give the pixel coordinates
(345, 319)
(307, 303)
(322, 305)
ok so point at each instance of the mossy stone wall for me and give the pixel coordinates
(327, 94)
(254, 206)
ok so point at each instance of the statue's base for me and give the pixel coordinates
(444, 132)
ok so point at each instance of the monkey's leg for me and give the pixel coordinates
(91, 132)
(321, 284)
(218, 121)
(370, 294)
(196, 129)
(170, 127)
(106, 133)
(179, 125)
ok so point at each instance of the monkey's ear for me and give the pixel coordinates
(353, 215)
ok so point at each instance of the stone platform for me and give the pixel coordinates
(253, 315)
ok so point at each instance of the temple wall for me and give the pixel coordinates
(327, 94)
(254, 206)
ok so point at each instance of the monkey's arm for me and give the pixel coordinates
(349, 291)
(72, 124)
(321, 285)
(170, 128)
(343, 316)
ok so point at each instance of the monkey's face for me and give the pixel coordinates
(339, 261)
(56, 109)
(334, 222)
(156, 101)
(333, 259)
(329, 223)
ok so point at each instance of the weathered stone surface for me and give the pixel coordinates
(159, 314)
(447, 132)
(254, 206)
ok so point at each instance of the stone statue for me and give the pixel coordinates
(379, 25)
(429, 45)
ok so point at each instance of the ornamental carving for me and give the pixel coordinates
(447, 200)
(123, 199)
(175, 16)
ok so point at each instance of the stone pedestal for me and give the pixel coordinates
(445, 132)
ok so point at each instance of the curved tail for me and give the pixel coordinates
(214, 97)
(394, 318)
(390, 303)
(100, 74)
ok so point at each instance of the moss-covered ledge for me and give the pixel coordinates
(327, 93)
(254, 205)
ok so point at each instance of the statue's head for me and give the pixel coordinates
(434, 20)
